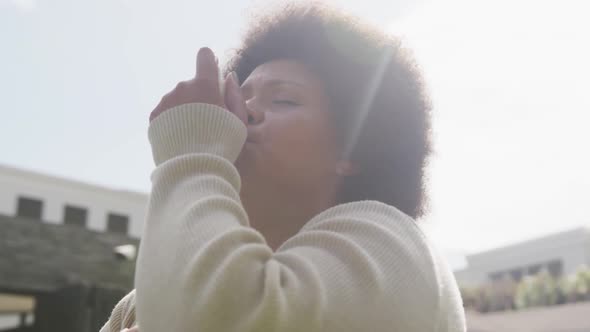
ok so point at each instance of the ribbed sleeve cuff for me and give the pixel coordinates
(196, 128)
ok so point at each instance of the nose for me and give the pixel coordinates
(255, 113)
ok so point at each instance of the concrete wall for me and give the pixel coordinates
(57, 192)
(469, 278)
(572, 248)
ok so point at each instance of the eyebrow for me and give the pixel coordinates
(281, 81)
(276, 81)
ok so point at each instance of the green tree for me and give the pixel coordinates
(581, 286)
(539, 290)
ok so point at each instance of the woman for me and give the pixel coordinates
(285, 201)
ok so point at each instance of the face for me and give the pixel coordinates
(291, 152)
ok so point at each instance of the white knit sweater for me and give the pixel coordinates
(362, 266)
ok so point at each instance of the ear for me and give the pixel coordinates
(346, 168)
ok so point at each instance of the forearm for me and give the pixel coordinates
(201, 267)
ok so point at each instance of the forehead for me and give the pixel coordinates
(284, 70)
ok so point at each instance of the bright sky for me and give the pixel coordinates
(509, 81)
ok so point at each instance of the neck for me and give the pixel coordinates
(279, 215)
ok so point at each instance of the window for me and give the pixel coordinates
(497, 276)
(117, 223)
(29, 208)
(516, 274)
(75, 216)
(535, 269)
(555, 268)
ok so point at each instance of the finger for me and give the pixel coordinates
(163, 105)
(133, 329)
(234, 101)
(207, 65)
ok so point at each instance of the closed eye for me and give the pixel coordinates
(285, 102)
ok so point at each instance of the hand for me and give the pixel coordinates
(205, 88)
(133, 329)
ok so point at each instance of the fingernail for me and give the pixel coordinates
(229, 78)
(232, 81)
(235, 78)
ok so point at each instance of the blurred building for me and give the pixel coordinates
(64, 244)
(559, 254)
(62, 201)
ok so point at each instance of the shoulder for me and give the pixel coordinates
(417, 280)
(373, 216)
(388, 237)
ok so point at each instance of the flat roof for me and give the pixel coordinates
(564, 238)
(62, 181)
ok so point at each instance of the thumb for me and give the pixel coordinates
(234, 101)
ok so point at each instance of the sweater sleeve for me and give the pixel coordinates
(122, 316)
(362, 266)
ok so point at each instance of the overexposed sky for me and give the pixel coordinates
(509, 81)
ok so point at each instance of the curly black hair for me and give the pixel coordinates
(379, 102)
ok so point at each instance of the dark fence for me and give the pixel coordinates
(72, 308)
(75, 308)
(60, 266)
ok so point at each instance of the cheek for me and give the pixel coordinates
(298, 146)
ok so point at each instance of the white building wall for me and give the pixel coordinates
(6, 200)
(468, 278)
(56, 193)
(572, 248)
